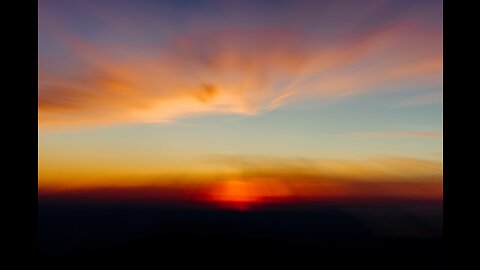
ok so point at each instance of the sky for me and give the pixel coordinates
(137, 92)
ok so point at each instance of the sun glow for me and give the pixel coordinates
(244, 194)
(235, 194)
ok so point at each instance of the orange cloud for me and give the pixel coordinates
(94, 173)
(241, 72)
(247, 192)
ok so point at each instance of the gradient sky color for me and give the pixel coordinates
(130, 92)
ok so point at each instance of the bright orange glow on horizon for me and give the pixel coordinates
(236, 194)
(249, 193)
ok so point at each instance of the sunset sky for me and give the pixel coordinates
(137, 92)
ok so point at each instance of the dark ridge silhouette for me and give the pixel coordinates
(77, 232)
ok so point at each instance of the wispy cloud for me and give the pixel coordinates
(425, 99)
(207, 68)
(396, 134)
(212, 167)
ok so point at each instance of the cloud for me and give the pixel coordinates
(397, 134)
(367, 169)
(420, 100)
(205, 69)
(266, 178)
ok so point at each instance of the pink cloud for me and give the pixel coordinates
(243, 71)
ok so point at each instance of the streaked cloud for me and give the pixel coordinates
(265, 179)
(396, 134)
(216, 167)
(419, 100)
(212, 68)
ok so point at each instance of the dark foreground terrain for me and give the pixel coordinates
(388, 234)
